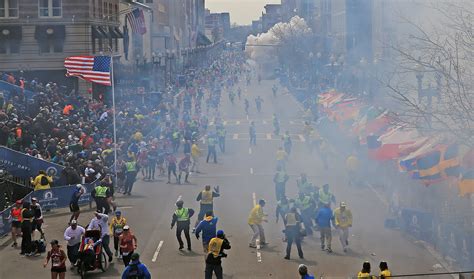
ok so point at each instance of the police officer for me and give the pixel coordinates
(100, 194)
(325, 197)
(182, 217)
(176, 136)
(217, 245)
(211, 148)
(305, 205)
(287, 144)
(131, 171)
(304, 186)
(292, 232)
(221, 133)
(280, 180)
(206, 199)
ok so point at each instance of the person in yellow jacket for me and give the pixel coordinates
(352, 166)
(255, 220)
(195, 154)
(116, 229)
(384, 271)
(365, 272)
(42, 181)
(343, 221)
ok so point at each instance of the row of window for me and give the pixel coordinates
(56, 46)
(46, 8)
(105, 9)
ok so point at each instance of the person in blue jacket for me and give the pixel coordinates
(136, 269)
(208, 227)
(303, 271)
(323, 219)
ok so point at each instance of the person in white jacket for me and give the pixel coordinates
(73, 235)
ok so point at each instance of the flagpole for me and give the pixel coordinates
(113, 118)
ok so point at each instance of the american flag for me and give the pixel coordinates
(91, 68)
(137, 21)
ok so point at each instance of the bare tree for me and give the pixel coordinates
(442, 55)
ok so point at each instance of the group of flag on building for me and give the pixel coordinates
(429, 159)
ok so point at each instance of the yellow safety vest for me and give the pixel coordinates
(206, 197)
(100, 191)
(182, 214)
(324, 197)
(385, 274)
(215, 246)
(305, 203)
(131, 166)
(291, 219)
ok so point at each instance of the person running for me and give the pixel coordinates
(171, 161)
(280, 178)
(276, 125)
(16, 221)
(292, 232)
(343, 221)
(100, 222)
(217, 245)
(253, 133)
(74, 202)
(303, 272)
(274, 90)
(181, 217)
(211, 148)
(208, 228)
(239, 93)
(151, 164)
(325, 197)
(58, 260)
(184, 165)
(384, 271)
(352, 166)
(73, 235)
(221, 133)
(116, 229)
(26, 218)
(206, 200)
(323, 219)
(255, 220)
(136, 269)
(195, 154)
(128, 244)
(37, 218)
(131, 172)
(281, 158)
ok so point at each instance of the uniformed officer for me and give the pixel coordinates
(130, 175)
(305, 205)
(211, 148)
(182, 217)
(206, 199)
(292, 232)
(100, 194)
(280, 180)
(221, 133)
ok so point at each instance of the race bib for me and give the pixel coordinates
(125, 253)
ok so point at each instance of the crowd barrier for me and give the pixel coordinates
(7, 88)
(25, 166)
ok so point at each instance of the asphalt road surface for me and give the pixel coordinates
(245, 174)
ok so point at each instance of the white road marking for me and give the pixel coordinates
(236, 136)
(238, 122)
(247, 117)
(301, 138)
(269, 136)
(225, 123)
(264, 122)
(292, 122)
(254, 198)
(250, 150)
(251, 170)
(211, 123)
(157, 251)
(124, 207)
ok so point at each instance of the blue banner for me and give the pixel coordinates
(5, 218)
(25, 166)
(59, 197)
(8, 87)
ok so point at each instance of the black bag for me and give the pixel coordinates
(44, 180)
(38, 246)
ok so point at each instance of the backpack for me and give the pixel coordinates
(44, 180)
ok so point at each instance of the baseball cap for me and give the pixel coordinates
(126, 227)
(34, 199)
(343, 204)
(220, 233)
(135, 256)
(73, 222)
(18, 202)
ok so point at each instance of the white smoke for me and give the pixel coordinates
(259, 47)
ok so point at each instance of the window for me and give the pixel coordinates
(111, 12)
(100, 9)
(8, 8)
(106, 10)
(50, 8)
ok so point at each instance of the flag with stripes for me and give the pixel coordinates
(137, 21)
(91, 68)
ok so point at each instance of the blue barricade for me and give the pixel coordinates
(5, 218)
(8, 87)
(24, 166)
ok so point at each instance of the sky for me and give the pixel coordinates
(241, 12)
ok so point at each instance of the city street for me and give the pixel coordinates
(245, 175)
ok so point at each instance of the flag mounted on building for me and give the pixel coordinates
(91, 68)
(136, 18)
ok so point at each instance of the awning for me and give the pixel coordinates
(115, 32)
(202, 40)
(10, 33)
(103, 32)
(56, 32)
(95, 33)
